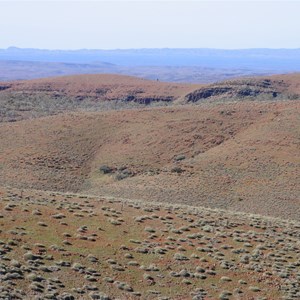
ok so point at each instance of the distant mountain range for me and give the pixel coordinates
(178, 65)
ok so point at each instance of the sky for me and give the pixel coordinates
(149, 24)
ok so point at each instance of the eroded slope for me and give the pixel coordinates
(241, 156)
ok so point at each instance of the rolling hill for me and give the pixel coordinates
(239, 156)
(115, 187)
(170, 65)
(49, 96)
(12, 70)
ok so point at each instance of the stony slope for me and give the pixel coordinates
(35, 98)
(66, 246)
(241, 156)
(42, 97)
(278, 87)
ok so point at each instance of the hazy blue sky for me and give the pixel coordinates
(149, 24)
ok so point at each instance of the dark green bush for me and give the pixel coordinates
(105, 169)
(177, 170)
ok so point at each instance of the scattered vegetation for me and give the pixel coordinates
(240, 155)
(112, 248)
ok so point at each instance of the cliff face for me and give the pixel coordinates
(255, 88)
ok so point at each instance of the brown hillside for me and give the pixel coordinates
(240, 156)
(37, 98)
(112, 87)
(279, 87)
(102, 86)
(292, 81)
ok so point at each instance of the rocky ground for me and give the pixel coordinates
(68, 246)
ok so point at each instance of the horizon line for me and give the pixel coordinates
(149, 48)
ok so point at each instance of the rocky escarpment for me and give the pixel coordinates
(4, 87)
(205, 93)
(147, 100)
(239, 89)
